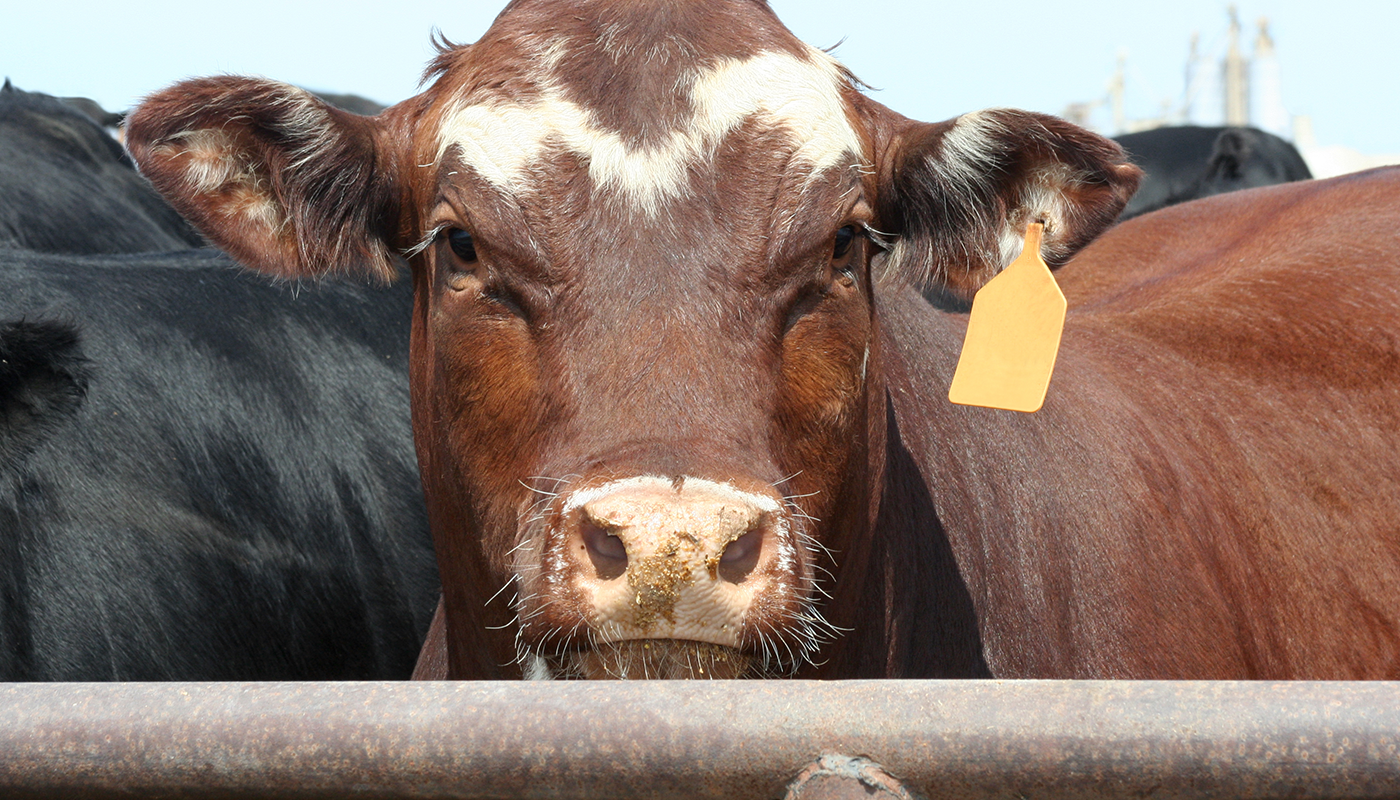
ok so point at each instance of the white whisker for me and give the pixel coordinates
(508, 582)
(788, 478)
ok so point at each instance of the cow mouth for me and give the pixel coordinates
(653, 659)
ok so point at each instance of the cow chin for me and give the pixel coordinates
(652, 659)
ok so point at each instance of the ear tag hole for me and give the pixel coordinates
(1013, 335)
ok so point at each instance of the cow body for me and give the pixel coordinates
(68, 187)
(1209, 489)
(210, 478)
(687, 303)
(1189, 162)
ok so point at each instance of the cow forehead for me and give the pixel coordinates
(503, 138)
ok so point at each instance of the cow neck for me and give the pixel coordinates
(922, 575)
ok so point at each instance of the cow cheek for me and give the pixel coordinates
(820, 398)
(489, 385)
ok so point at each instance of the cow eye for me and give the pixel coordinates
(844, 239)
(462, 244)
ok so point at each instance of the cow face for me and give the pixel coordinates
(646, 243)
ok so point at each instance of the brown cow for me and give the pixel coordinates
(687, 308)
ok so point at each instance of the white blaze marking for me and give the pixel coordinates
(501, 139)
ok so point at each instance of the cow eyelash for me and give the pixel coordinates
(847, 235)
(425, 242)
(880, 239)
(464, 249)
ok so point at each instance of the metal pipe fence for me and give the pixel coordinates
(729, 739)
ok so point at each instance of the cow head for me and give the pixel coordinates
(646, 241)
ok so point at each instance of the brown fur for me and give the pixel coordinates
(1182, 507)
(304, 186)
(1209, 491)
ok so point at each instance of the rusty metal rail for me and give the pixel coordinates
(731, 739)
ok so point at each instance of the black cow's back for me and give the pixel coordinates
(68, 187)
(205, 476)
(1189, 162)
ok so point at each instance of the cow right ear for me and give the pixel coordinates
(960, 194)
(284, 182)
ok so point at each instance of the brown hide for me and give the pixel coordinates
(687, 305)
(1209, 493)
(1210, 490)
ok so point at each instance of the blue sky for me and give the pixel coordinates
(930, 60)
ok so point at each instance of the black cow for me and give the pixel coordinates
(94, 111)
(205, 476)
(1191, 162)
(68, 187)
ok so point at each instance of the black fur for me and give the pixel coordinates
(1191, 162)
(43, 379)
(68, 187)
(205, 476)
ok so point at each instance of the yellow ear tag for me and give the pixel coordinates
(1013, 335)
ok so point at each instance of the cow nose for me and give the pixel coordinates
(658, 558)
(741, 555)
(605, 550)
(724, 532)
(672, 542)
(608, 553)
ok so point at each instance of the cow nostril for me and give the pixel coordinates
(741, 556)
(606, 551)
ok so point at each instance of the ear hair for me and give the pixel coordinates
(961, 193)
(286, 183)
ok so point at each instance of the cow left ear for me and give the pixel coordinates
(961, 193)
(284, 182)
